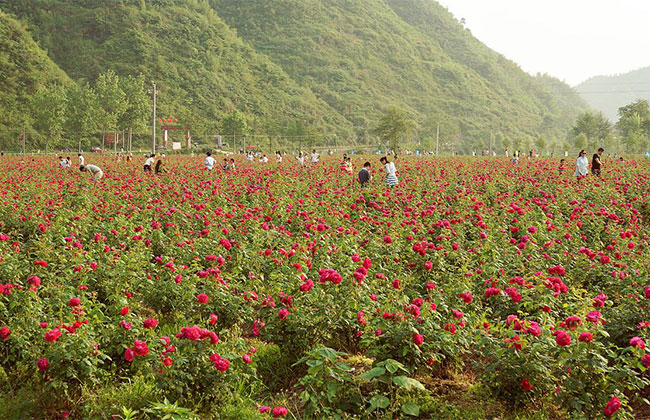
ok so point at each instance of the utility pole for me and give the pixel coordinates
(24, 138)
(437, 138)
(154, 92)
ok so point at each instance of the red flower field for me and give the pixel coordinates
(278, 291)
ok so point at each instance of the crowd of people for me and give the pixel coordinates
(155, 164)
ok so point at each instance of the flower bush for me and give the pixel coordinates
(535, 283)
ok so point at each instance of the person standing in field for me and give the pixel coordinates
(581, 164)
(391, 172)
(209, 161)
(596, 163)
(314, 157)
(364, 175)
(149, 162)
(561, 168)
(94, 170)
(159, 165)
(81, 159)
(301, 159)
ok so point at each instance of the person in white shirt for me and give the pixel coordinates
(581, 164)
(314, 156)
(391, 172)
(278, 157)
(149, 162)
(264, 159)
(301, 159)
(94, 170)
(81, 159)
(209, 161)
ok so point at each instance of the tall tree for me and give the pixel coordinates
(393, 126)
(48, 107)
(112, 101)
(137, 110)
(234, 125)
(82, 117)
(634, 125)
(595, 127)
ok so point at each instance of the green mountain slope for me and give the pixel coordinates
(24, 67)
(362, 57)
(300, 66)
(608, 93)
(202, 69)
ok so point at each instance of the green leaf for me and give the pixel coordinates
(312, 362)
(304, 396)
(411, 409)
(373, 373)
(379, 401)
(393, 365)
(343, 366)
(407, 383)
(327, 353)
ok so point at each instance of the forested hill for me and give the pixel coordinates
(202, 68)
(305, 65)
(608, 93)
(24, 67)
(363, 56)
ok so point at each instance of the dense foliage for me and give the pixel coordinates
(365, 57)
(283, 290)
(307, 69)
(24, 69)
(202, 69)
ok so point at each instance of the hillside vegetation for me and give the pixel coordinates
(306, 67)
(24, 68)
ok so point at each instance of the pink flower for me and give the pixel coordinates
(43, 364)
(150, 323)
(140, 348)
(129, 354)
(418, 339)
(279, 412)
(388, 240)
(124, 311)
(283, 313)
(586, 337)
(525, 384)
(34, 280)
(637, 343)
(74, 302)
(222, 365)
(645, 359)
(168, 361)
(612, 407)
(467, 297)
(213, 319)
(52, 335)
(203, 298)
(593, 316)
(247, 358)
(562, 338)
(264, 409)
(5, 332)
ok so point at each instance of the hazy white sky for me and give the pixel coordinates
(569, 39)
